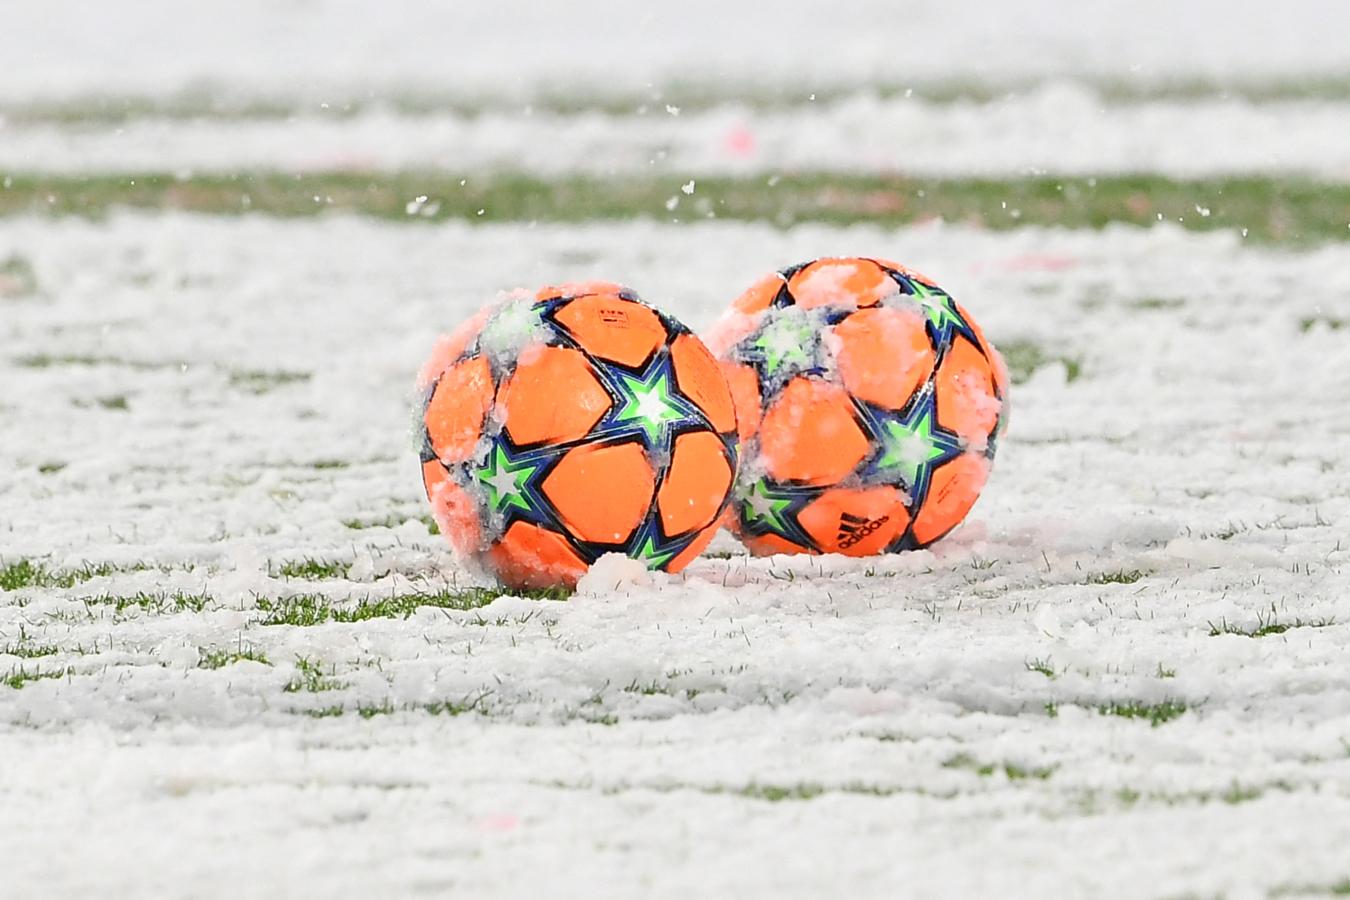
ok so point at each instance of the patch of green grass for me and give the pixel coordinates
(1120, 576)
(257, 381)
(26, 573)
(1011, 771)
(1333, 324)
(1267, 624)
(315, 609)
(362, 524)
(329, 464)
(370, 711)
(51, 468)
(314, 569)
(52, 360)
(772, 793)
(117, 403)
(310, 677)
(325, 712)
(1333, 889)
(1042, 666)
(1232, 795)
(1237, 793)
(219, 659)
(649, 688)
(198, 102)
(1155, 713)
(775, 793)
(1155, 303)
(29, 651)
(1292, 209)
(158, 603)
(21, 574)
(20, 676)
(466, 704)
(1023, 358)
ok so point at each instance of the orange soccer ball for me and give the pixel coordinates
(578, 421)
(870, 407)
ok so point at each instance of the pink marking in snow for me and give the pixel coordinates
(739, 141)
(1030, 262)
(499, 822)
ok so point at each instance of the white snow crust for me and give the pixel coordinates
(771, 727)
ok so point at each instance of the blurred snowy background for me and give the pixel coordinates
(235, 662)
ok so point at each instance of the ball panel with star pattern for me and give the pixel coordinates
(696, 484)
(809, 435)
(529, 556)
(611, 327)
(883, 355)
(601, 492)
(840, 282)
(855, 521)
(699, 378)
(552, 396)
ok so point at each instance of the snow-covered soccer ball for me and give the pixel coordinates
(870, 406)
(578, 421)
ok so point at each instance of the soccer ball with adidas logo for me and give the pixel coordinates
(870, 407)
(573, 422)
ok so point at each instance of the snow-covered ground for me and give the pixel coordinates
(1063, 127)
(929, 723)
(1124, 676)
(330, 49)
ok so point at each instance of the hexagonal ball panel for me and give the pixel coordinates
(602, 492)
(552, 396)
(841, 282)
(613, 328)
(696, 483)
(955, 488)
(883, 355)
(454, 417)
(855, 521)
(528, 556)
(809, 434)
(966, 402)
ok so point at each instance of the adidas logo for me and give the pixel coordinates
(854, 528)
